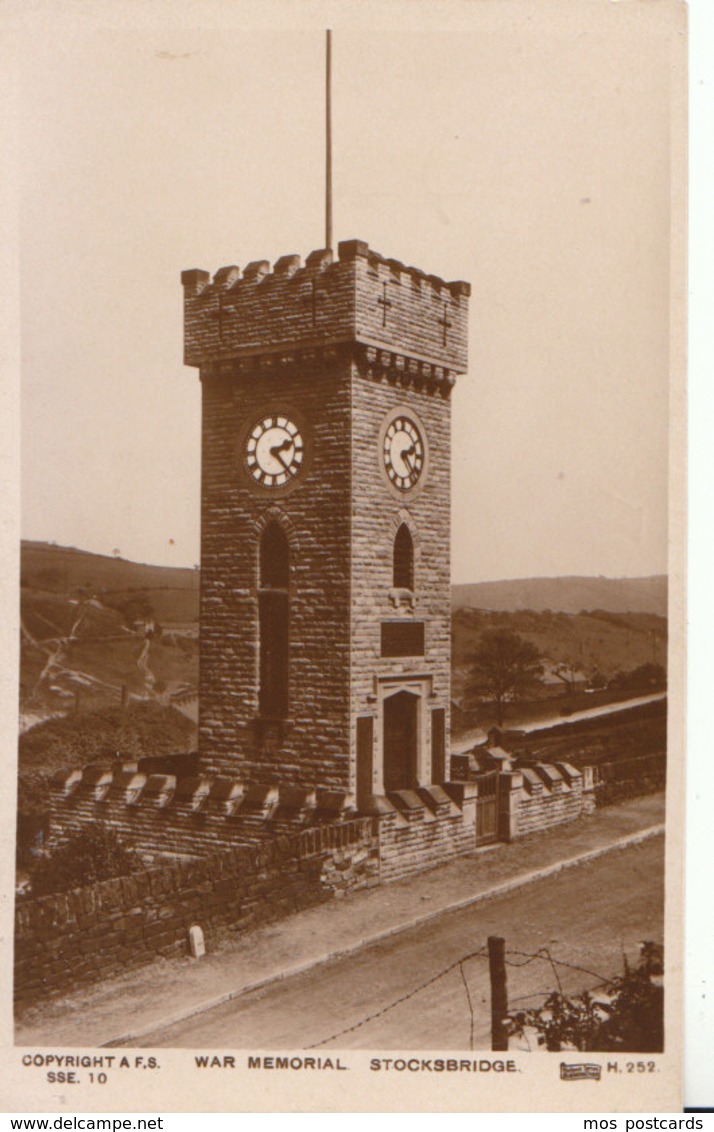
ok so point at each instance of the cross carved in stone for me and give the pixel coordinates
(384, 303)
(445, 322)
(219, 311)
(315, 294)
(218, 315)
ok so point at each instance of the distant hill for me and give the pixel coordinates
(566, 595)
(64, 569)
(84, 620)
(605, 641)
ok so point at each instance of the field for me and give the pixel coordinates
(584, 642)
(566, 595)
(65, 569)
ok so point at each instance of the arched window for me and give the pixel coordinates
(274, 558)
(403, 575)
(274, 615)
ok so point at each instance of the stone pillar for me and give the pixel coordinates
(510, 785)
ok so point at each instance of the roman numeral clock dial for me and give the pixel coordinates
(403, 452)
(274, 451)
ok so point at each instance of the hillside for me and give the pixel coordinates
(64, 569)
(566, 595)
(607, 641)
(97, 629)
(584, 642)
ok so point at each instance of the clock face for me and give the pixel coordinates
(274, 451)
(403, 453)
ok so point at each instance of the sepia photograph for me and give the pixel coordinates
(350, 577)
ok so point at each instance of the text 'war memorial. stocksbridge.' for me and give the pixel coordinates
(324, 723)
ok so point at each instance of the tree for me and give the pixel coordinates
(503, 666)
(92, 854)
(598, 680)
(644, 677)
(134, 607)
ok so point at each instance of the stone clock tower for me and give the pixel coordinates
(325, 581)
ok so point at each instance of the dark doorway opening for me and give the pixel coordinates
(400, 741)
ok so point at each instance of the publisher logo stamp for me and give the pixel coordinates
(582, 1071)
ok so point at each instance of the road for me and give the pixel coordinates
(586, 916)
(467, 742)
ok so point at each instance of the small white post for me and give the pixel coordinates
(196, 942)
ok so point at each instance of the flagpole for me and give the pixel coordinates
(328, 141)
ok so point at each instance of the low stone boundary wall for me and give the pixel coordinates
(425, 828)
(243, 855)
(533, 796)
(169, 818)
(629, 778)
(73, 938)
(76, 937)
(538, 797)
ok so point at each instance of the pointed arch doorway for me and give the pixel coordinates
(403, 749)
(400, 741)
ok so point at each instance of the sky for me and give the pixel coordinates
(524, 147)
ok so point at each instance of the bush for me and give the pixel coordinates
(77, 739)
(90, 855)
(628, 1015)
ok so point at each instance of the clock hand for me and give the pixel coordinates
(278, 449)
(407, 452)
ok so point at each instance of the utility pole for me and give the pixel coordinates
(499, 992)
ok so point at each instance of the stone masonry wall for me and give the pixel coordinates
(164, 819)
(73, 938)
(314, 748)
(430, 826)
(324, 301)
(378, 511)
(335, 344)
(532, 799)
(248, 855)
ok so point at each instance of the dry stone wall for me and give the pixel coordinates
(77, 937)
(245, 855)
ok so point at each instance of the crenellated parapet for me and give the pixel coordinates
(358, 298)
(162, 816)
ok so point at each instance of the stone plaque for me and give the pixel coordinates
(402, 638)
